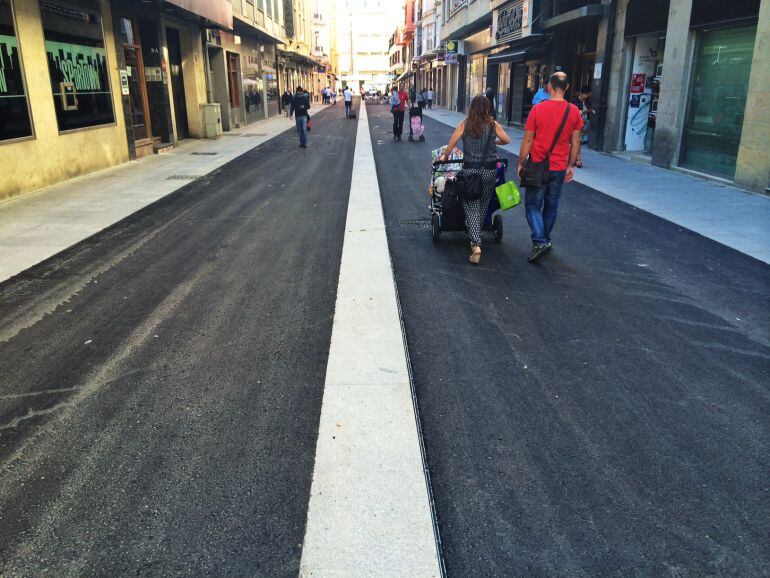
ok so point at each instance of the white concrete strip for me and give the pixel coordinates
(369, 512)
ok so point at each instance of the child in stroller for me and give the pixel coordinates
(416, 128)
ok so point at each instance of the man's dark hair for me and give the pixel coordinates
(299, 88)
(559, 81)
(585, 89)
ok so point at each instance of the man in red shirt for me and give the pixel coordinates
(541, 203)
(398, 100)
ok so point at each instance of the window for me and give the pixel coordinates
(15, 121)
(77, 64)
(712, 132)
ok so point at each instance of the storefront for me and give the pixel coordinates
(717, 99)
(68, 120)
(645, 34)
(520, 61)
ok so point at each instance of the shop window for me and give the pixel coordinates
(717, 100)
(77, 64)
(15, 121)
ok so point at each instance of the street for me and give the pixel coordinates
(162, 418)
(602, 412)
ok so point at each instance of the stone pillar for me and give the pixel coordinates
(753, 167)
(619, 69)
(676, 82)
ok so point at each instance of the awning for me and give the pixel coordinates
(525, 50)
(406, 76)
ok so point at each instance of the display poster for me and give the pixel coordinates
(637, 83)
(77, 64)
(84, 66)
(14, 112)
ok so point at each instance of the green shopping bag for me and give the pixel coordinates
(508, 195)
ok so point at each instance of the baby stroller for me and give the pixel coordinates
(416, 128)
(446, 208)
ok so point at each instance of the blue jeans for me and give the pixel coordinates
(302, 129)
(347, 108)
(541, 205)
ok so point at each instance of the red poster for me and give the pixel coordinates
(637, 83)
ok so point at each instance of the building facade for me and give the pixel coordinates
(678, 83)
(324, 42)
(364, 28)
(86, 84)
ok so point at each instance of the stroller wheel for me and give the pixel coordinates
(411, 138)
(435, 227)
(497, 228)
(422, 139)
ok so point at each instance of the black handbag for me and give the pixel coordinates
(537, 174)
(470, 185)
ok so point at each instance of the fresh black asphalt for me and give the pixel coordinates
(161, 382)
(604, 412)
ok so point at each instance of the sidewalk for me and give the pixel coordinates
(723, 213)
(36, 226)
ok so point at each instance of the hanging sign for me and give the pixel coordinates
(510, 23)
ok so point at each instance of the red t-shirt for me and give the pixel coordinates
(404, 97)
(544, 121)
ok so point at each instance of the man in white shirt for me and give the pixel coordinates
(431, 94)
(348, 100)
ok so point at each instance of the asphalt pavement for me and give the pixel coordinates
(603, 412)
(161, 382)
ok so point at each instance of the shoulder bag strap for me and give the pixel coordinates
(558, 132)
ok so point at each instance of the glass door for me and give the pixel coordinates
(717, 100)
(137, 94)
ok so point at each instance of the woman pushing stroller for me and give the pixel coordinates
(480, 133)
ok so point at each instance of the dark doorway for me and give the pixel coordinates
(177, 82)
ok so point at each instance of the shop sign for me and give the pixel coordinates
(83, 66)
(153, 74)
(511, 22)
(450, 58)
(637, 83)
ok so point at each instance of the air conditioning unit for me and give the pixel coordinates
(212, 120)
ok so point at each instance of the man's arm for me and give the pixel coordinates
(526, 146)
(574, 152)
(291, 107)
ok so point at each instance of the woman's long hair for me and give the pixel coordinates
(479, 114)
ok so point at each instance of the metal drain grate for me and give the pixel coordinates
(183, 178)
(204, 154)
(419, 223)
(255, 134)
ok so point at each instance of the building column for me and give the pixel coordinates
(673, 93)
(753, 166)
(617, 65)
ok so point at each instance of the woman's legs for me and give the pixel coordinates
(475, 211)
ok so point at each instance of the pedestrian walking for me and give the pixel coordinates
(286, 102)
(420, 98)
(398, 100)
(480, 134)
(431, 94)
(490, 94)
(541, 94)
(348, 100)
(551, 135)
(300, 108)
(583, 104)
